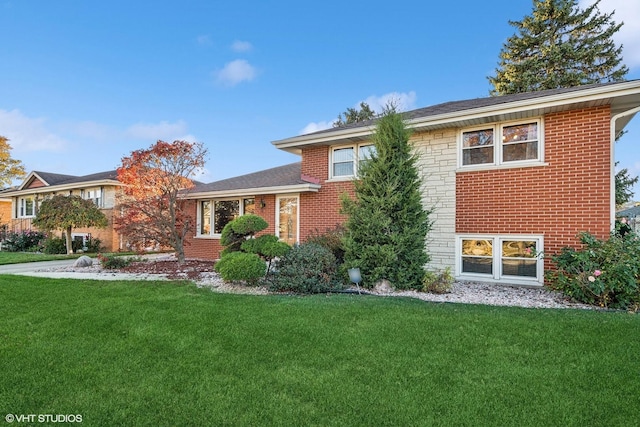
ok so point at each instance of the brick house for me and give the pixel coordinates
(38, 186)
(508, 177)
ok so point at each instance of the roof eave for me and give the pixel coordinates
(294, 144)
(63, 187)
(287, 189)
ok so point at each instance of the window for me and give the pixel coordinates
(26, 207)
(512, 259)
(94, 194)
(502, 144)
(215, 214)
(344, 160)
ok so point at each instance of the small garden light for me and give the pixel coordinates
(355, 277)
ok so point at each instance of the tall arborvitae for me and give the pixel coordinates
(387, 224)
(557, 46)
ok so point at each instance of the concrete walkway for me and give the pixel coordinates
(48, 269)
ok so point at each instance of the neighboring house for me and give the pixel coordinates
(38, 186)
(633, 217)
(508, 178)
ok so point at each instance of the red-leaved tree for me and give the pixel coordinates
(151, 210)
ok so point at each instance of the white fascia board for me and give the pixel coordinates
(301, 188)
(549, 101)
(56, 188)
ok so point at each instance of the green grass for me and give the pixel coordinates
(167, 353)
(22, 257)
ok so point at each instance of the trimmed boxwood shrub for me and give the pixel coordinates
(306, 268)
(237, 266)
(240, 229)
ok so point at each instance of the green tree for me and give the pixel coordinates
(624, 184)
(559, 45)
(9, 168)
(66, 213)
(387, 225)
(354, 115)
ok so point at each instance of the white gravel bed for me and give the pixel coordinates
(461, 292)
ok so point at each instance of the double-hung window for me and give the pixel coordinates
(215, 214)
(345, 159)
(504, 258)
(502, 144)
(26, 207)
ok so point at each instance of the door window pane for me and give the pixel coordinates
(288, 219)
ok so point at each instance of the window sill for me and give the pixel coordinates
(208, 236)
(341, 179)
(505, 281)
(477, 168)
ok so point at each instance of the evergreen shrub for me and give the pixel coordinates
(241, 266)
(113, 262)
(24, 241)
(235, 232)
(603, 272)
(306, 268)
(332, 239)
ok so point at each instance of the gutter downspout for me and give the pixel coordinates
(613, 162)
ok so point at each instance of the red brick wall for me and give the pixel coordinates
(209, 248)
(321, 210)
(570, 195)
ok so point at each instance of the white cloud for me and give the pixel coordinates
(91, 130)
(163, 130)
(236, 72)
(241, 46)
(404, 102)
(29, 134)
(204, 40)
(315, 127)
(627, 11)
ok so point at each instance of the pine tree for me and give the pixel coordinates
(557, 46)
(387, 224)
(353, 115)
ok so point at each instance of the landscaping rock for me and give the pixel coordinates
(83, 261)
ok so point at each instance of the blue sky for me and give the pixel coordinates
(84, 83)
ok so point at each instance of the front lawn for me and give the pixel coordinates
(21, 257)
(167, 353)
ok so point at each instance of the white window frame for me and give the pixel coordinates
(357, 157)
(498, 276)
(22, 207)
(95, 194)
(498, 161)
(211, 234)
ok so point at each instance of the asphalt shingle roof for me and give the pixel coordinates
(280, 176)
(59, 179)
(470, 104)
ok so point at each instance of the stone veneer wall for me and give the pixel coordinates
(437, 153)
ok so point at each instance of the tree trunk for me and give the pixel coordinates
(68, 239)
(180, 254)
